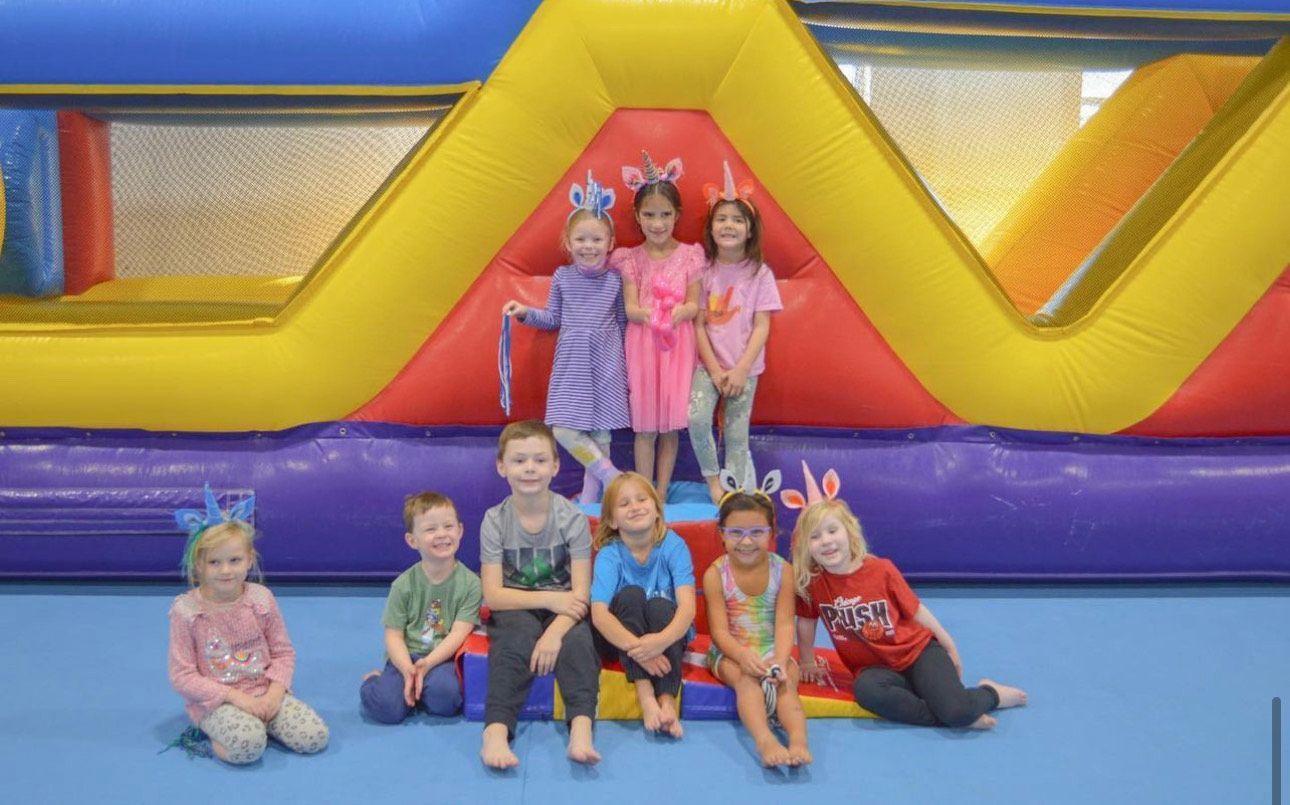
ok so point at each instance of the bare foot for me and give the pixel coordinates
(1008, 695)
(496, 750)
(372, 673)
(984, 722)
(772, 751)
(581, 749)
(669, 721)
(651, 713)
(799, 755)
(714, 488)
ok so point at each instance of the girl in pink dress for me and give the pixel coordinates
(661, 295)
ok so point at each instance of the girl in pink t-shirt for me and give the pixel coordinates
(661, 297)
(230, 656)
(739, 294)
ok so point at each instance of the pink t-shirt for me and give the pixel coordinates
(732, 294)
(215, 647)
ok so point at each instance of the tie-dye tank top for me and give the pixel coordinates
(751, 617)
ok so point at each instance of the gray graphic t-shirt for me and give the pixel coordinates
(535, 561)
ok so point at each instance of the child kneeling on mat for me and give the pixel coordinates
(431, 610)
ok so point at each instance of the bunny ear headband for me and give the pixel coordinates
(729, 192)
(794, 499)
(195, 521)
(595, 198)
(749, 487)
(647, 174)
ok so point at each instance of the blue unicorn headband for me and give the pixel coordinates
(595, 198)
(196, 521)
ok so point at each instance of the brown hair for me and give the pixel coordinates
(525, 429)
(665, 189)
(422, 502)
(217, 535)
(606, 533)
(746, 502)
(752, 246)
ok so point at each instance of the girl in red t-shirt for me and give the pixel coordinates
(906, 665)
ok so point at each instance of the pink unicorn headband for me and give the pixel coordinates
(730, 191)
(794, 499)
(647, 174)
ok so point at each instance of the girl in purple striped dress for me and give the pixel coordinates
(587, 397)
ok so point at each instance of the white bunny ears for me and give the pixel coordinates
(768, 486)
(794, 499)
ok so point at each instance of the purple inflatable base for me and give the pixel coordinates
(951, 503)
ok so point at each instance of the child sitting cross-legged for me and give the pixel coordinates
(431, 609)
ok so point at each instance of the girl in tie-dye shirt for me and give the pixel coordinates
(750, 616)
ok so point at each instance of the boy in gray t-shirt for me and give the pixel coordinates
(535, 567)
(432, 607)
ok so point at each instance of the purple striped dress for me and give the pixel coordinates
(588, 388)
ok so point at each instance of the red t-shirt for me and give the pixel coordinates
(869, 615)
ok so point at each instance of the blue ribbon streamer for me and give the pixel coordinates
(504, 364)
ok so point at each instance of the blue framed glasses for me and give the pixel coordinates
(738, 534)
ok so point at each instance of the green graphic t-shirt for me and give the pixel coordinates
(425, 612)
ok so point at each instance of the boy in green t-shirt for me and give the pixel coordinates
(431, 609)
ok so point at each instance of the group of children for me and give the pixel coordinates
(653, 337)
(549, 609)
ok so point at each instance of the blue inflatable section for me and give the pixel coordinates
(31, 261)
(239, 42)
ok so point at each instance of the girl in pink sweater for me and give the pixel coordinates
(230, 657)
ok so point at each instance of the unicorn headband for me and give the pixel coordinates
(648, 174)
(730, 191)
(794, 499)
(196, 521)
(595, 198)
(749, 487)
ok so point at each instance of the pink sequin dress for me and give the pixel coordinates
(658, 380)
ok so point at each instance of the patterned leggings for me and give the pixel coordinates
(703, 403)
(244, 736)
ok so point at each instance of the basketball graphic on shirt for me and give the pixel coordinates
(873, 631)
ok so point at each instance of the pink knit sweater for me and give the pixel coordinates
(214, 647)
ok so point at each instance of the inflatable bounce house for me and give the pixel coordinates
(1040, 328)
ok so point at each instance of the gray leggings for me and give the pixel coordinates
(703, 403)
(585, 446)
(244, 736)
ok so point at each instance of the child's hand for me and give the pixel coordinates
(419, 670)
(811, 672)
(244, 702)
(411, 683)
(953, 651)
(657, 666)
(545, 653)
(568, 604)
(513, 308)
(736, 380)
(752, 665)
(648, 647)
(271, 702)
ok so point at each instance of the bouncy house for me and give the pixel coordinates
(1035, 346)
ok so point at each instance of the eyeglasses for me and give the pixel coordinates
(738, 534)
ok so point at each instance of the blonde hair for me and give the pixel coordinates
(578, 216)
(804, 567)
(606, 533)
(217, 535)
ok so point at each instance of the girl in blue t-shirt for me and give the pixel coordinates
(642, 597)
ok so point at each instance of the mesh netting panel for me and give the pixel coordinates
(243, 201)
(978, 138)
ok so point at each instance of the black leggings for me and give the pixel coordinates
(640, 616)
(927, 693)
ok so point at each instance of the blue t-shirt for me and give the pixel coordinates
(668, 567)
